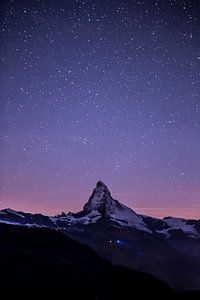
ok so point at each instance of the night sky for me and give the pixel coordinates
(100, 90)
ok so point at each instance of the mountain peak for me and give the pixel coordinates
(101, 184)
(99, 199)
(101, 204)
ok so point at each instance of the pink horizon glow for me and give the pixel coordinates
(48, 208)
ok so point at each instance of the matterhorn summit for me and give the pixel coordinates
(101, 207)
(100, 199)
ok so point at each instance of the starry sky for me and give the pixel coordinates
(100, 90)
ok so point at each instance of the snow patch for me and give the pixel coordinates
(127, 217)
(13, 212)
(19, 224)
(178, 223)
(90, 218)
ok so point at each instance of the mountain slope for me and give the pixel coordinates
(169, 248)
(101, 206)
(41, 263)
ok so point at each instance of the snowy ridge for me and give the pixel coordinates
(20, 224)
(101, 204)
(102, 209)
(90, 218)
(127, 217)
(179, 223)
(12, 212)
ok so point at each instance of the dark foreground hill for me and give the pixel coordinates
(42, 263)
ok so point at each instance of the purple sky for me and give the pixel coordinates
(100, 90)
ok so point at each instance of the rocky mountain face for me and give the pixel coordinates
(169, 248)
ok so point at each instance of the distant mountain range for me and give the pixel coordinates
(168, 248)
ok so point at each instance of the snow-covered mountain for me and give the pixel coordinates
(10, 216)
(163, 247)
(102, 208)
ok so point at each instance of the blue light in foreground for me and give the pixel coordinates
(119, 242)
